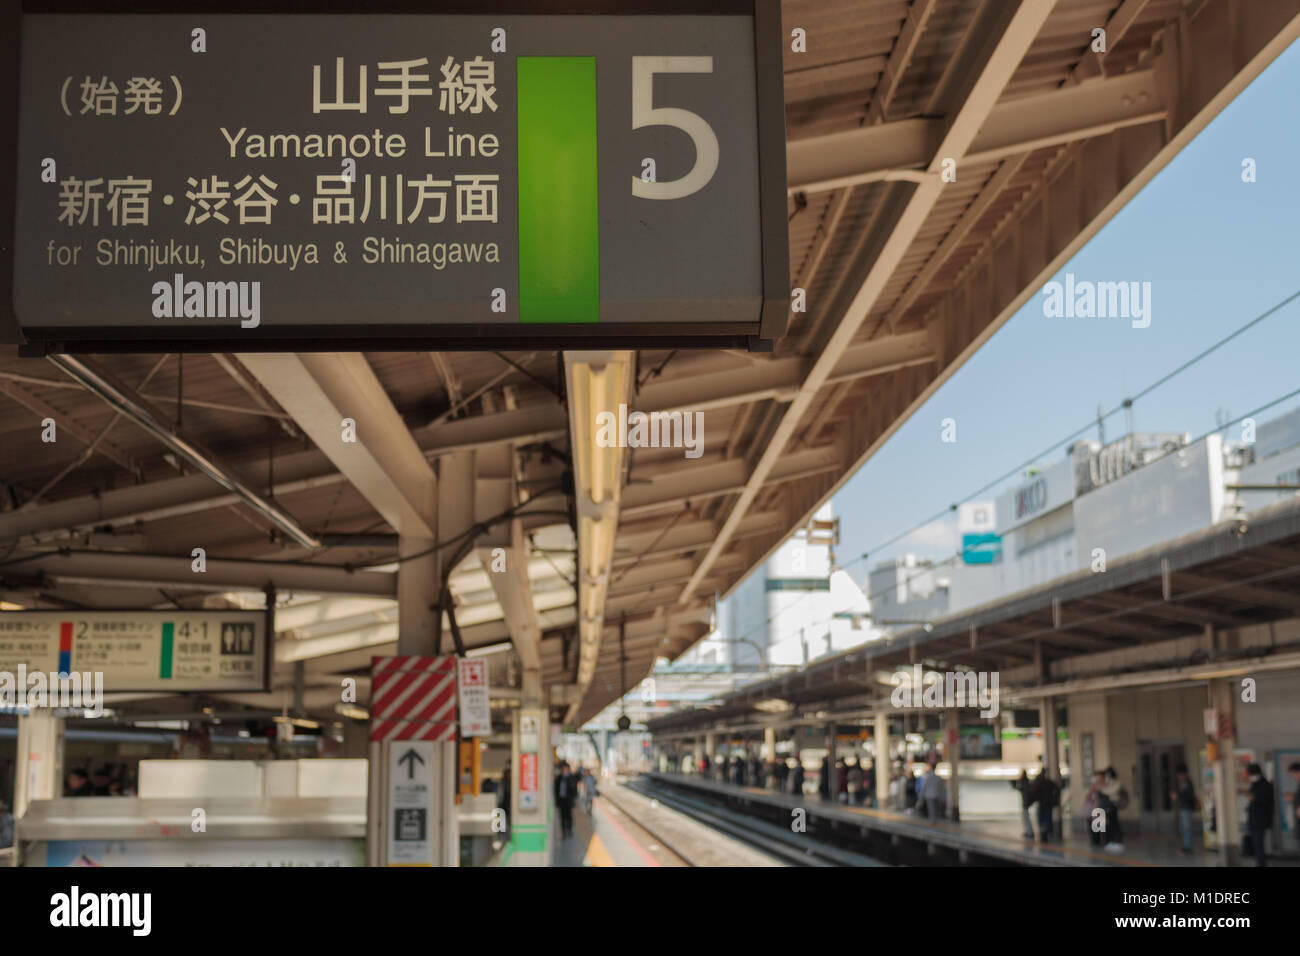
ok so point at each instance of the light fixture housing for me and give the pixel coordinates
(598, 383)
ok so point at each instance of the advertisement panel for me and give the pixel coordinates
(252, 852)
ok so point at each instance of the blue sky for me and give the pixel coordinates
(1217, 251)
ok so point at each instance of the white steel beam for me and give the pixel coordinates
(883, 152)
(709, 480)
(384, 463)
(657, 541)
(980, 70)
(138, 570)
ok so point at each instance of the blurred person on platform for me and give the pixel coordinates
(1184, 797)
(1022, 785)
(566, 792)
(6, 826)
(100, 780)
(1092, 801)
(1115, 799)
(78, 784)
(931, 793)
(853, 783)
(503, 793)
(589, 790)
(1294, 770)
(1046, 794)
(911, 786)
(1259, 812)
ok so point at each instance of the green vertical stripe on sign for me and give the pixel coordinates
(559, 229)
(165, 666)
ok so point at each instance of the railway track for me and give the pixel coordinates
(630, 818)
(776, 841)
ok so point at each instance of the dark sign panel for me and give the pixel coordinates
(395, 180)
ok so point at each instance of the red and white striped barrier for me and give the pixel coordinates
(413, 698)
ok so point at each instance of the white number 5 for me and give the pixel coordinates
(644, 113)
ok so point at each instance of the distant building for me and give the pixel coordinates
(1101, 503)
(799, 608)
(907, 590)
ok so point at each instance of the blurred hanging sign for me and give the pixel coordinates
(980, 548)
(529, 743)
(475, 705)
(509, 176)
(172, 651)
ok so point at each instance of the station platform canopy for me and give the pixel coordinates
(944, 159)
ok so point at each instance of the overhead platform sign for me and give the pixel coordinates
(613, 177)
(168, 651)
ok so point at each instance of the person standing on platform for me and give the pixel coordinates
(911, 787)
(1092, 801)
(1047, 795)
(566, 792)
(1023, 787)
(99, 781)
(1294, 770)
(78, 784)
(589, 789)
(931, 795)
(853, 783)
(1114, 799)
(6, 826)
(1184, 796)
(1259, 813)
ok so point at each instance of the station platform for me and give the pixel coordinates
(996, 839)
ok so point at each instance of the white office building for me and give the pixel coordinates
(799, 608)
(1099, 503)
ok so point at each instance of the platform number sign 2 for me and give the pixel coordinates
(645, 113)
